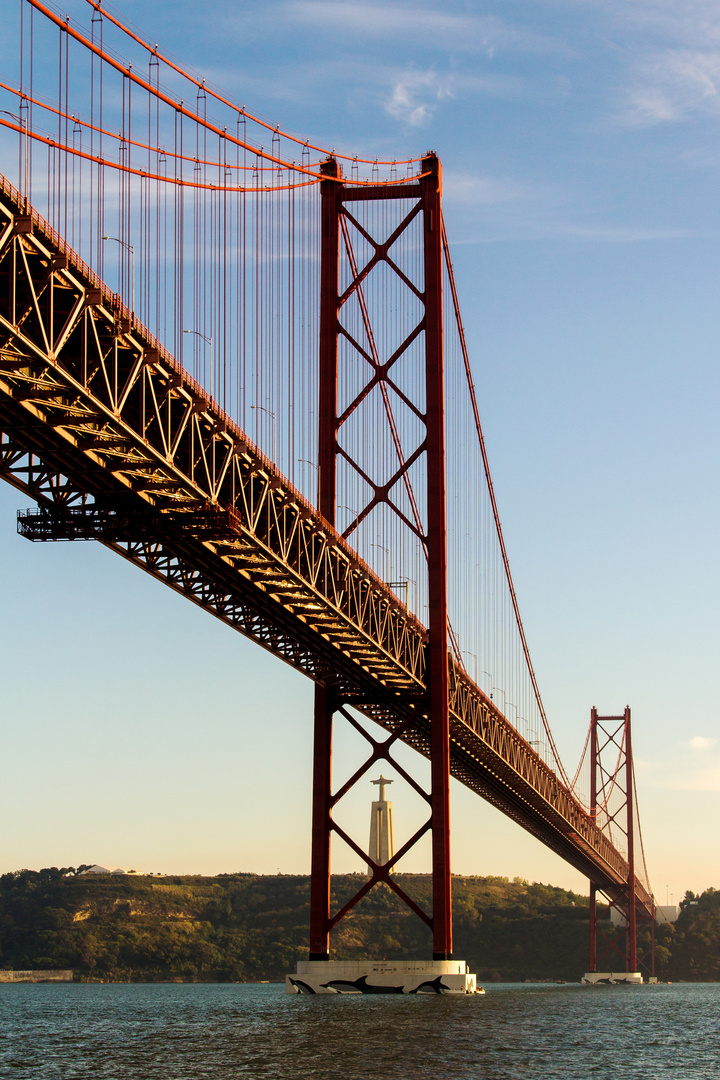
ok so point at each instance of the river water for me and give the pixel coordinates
(223, 1032)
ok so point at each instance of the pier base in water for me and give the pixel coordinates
(382, 977)
(612, 978)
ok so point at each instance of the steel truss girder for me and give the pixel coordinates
(93, 411)
(74, 362)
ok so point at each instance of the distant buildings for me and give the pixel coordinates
(664, 913)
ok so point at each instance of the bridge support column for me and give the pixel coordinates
(321, 809)
(593, 810)
(331, 190)
(593, 928)
(612, 803)
(338, 225)
(437, 560)
(630, 830)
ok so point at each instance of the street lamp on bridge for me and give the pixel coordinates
(271, 414)
(387, 552)
(307, 461)
(466, 652)
(208, 341)
(131, 249)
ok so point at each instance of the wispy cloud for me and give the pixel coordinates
(379, 20)
(671, 85)
(667, 54)
(472, 190)
(437, 26)
(695, 767)
(699, 742)
(703, 780)
(620, 234)
(496, 208)
(415, 95)
(678, 22)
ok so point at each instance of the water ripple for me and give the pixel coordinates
(224, 1032)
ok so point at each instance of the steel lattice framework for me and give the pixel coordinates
(116, 442)
(612, 800)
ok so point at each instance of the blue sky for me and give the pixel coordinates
(580, 149)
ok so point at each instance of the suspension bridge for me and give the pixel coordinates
(238, 360)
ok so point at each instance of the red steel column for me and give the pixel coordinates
(629, 798)
(437, 664)
(321, 809)
(331, 202)
(331, 191)
(593, 809)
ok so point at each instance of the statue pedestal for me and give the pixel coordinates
(382, 977)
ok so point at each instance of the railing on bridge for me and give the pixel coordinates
(331, 328)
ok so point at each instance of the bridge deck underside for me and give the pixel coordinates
(115, 442)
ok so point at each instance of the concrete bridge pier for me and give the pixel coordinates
(382, 977)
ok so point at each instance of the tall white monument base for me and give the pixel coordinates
(382, 977)
(382, 831)
(612, 978)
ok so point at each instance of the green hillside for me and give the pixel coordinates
(248, 927)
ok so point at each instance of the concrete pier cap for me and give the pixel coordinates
(382, 977)
(612, 978)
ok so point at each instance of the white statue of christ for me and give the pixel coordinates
(382, 833)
